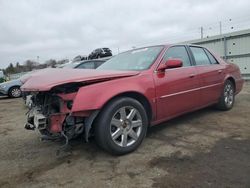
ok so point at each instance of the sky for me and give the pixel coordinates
(57, 29)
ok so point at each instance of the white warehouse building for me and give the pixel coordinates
(234, 47)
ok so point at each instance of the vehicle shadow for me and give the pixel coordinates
(154, 131)
(181, 120)
(4, 98)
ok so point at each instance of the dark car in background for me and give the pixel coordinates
(99, 53)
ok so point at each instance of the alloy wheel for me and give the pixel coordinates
(16, 92)
(126, 126)
(229, 94)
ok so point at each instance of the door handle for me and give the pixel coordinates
(191, 75)
(219, 71)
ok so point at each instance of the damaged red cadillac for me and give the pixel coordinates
(118, 101)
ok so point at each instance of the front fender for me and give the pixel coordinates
(95, 96)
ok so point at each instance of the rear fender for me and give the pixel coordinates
(234, 74)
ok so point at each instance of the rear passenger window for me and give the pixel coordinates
(178, 52)
(200, 56)
(211, 57)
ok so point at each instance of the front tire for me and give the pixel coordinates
(226, 100)
(121, 126)
(15, 92)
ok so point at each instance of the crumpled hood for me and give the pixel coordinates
(46, 79)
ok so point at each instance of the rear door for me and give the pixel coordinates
(176, 89)
(210, 73)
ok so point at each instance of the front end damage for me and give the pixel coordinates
(50, 112)
(56, 100)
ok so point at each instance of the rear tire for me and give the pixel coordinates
(226, 100)
(15, 92)
(121, 126)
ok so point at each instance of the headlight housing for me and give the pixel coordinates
(2, 86)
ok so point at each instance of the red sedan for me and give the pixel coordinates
(133, 90)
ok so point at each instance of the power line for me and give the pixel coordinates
(207, 30)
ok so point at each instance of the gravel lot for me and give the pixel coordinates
(207, 148)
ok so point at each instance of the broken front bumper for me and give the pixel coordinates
(37, 120)
(54, 123)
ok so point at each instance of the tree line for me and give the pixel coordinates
(30, 65)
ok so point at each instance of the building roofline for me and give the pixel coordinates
(219, 37)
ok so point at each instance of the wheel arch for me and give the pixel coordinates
(10, 88)
(132, 94)
(137, 96)
(231, 78)
(15, 86)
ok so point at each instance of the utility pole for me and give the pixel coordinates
(223, 44)
(201, 32)
(220, 28)
(37, 57)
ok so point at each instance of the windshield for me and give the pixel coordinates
(138, 59)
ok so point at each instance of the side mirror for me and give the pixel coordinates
(169, 64)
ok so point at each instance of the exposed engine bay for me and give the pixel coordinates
(50, 114)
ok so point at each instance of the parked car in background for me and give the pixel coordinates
(86, 64)
(11, 88)
(131, 91)
(99, 53)
(79, 58)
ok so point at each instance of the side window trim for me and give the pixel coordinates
(207, 56)
(190, 55)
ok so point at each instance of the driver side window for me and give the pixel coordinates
(178, 52)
